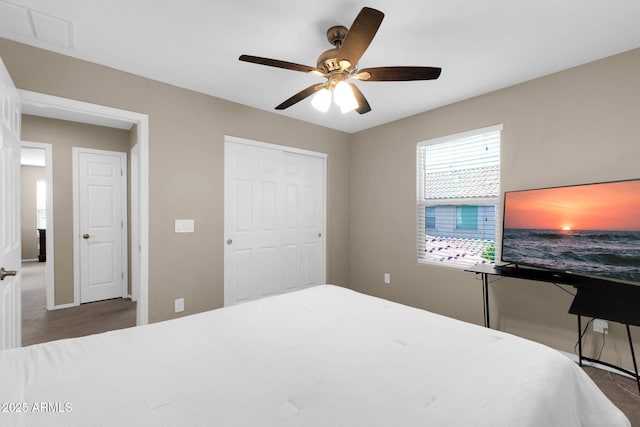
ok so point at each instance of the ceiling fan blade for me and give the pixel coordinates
(398, 74)
(359, 37)
(281, 64)
(300, 96)
(363, 105)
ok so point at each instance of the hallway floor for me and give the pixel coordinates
(40, 325)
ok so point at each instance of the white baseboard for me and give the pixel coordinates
(574, 357)
(61, 306)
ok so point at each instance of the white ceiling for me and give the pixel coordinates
(481, 46)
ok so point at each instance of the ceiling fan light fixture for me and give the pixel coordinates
(321, 101)
(349, 106)
(344, 97)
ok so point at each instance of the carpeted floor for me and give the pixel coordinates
(40, 325)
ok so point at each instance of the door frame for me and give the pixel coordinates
(124, 254)
(323, 220)
(48, 177)
(134, 232)
(68, 109)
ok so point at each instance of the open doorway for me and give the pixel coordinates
(53, 315)
(36, 220)
(61, 108)
(37, 211)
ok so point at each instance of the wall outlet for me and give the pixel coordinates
(387, 278)
(600, 326)
(178, 305)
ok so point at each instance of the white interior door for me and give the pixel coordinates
(274, 220)
(101, 214)
(10, 298)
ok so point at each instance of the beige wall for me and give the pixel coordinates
(30, 176)
(186, 156)
(576, 126)
(63, 135)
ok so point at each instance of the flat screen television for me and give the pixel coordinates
(590, 229)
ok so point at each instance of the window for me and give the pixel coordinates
(41, 203)
(467, 217)
(458, 182)
(430, 219)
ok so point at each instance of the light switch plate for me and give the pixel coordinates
(185, 225)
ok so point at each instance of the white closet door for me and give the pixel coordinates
(274, 220)
(303, 247)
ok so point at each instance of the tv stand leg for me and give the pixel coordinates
(579, 340)
(633, 356)
(485, 299)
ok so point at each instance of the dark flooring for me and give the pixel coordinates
(622, 391)
(40, 325)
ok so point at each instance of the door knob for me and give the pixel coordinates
(4, 273)
(85, 236)
(229, 241)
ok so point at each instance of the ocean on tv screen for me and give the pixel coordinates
(609, 253)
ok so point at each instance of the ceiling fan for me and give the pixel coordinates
(340, 64)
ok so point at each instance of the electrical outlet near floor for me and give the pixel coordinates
(178, 305)
(387, 278)
(600, 326)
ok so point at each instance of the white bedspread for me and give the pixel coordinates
(325, 356)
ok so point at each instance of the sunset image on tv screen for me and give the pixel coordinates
(589, 229)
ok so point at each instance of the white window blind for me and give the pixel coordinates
(458, 183)
(41, 203)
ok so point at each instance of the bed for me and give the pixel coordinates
(323, 356)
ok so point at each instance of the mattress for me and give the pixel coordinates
(323, 356)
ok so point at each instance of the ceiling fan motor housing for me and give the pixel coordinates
(328, 62)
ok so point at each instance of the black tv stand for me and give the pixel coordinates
(595, 298)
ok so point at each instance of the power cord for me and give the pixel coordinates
(564, 290)
(604, 335)
(584, 331)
